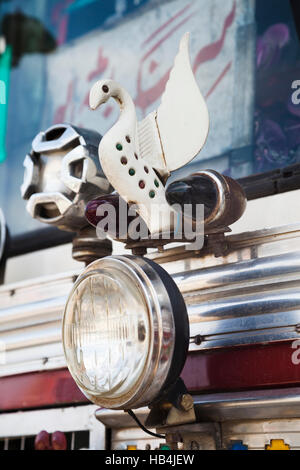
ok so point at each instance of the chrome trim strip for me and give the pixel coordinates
(253, 405)
(234, 301)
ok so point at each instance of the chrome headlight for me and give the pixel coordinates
(125, 332)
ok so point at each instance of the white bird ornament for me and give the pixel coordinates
(137, 157)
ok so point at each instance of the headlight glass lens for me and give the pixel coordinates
(106, 333)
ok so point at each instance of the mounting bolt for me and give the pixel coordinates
(186, 402)
(139, 251)
(196, 340)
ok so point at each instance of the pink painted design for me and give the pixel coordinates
(62, 19)
(61, 112)
(148, 65)
(145, 98)
(212, 51)
(62, 30)
(218, 81)
(165, 25)
(107, 111)
(85, 102)
(102, 64)
(153, 66)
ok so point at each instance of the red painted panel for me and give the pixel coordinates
(39, 389)
(243, 368)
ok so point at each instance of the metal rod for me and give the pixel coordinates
(36, 240)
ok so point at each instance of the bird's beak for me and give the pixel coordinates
(97, 97)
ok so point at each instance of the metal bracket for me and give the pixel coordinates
(174, 408)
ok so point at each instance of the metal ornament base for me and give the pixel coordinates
(88, 248)
(214, 239)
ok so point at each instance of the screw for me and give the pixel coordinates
(196, 340)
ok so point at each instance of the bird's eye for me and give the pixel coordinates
(105, 88)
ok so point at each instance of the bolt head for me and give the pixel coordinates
(186, 402)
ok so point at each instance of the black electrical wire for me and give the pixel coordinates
(131, 413)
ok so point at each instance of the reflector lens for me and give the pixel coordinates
(106, 333)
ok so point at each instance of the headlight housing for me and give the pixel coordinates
(125, 332)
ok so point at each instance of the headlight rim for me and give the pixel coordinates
(157, 375)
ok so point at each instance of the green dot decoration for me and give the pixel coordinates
(119, 147)
(131, 172)
(156, 183)
(152, 194)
